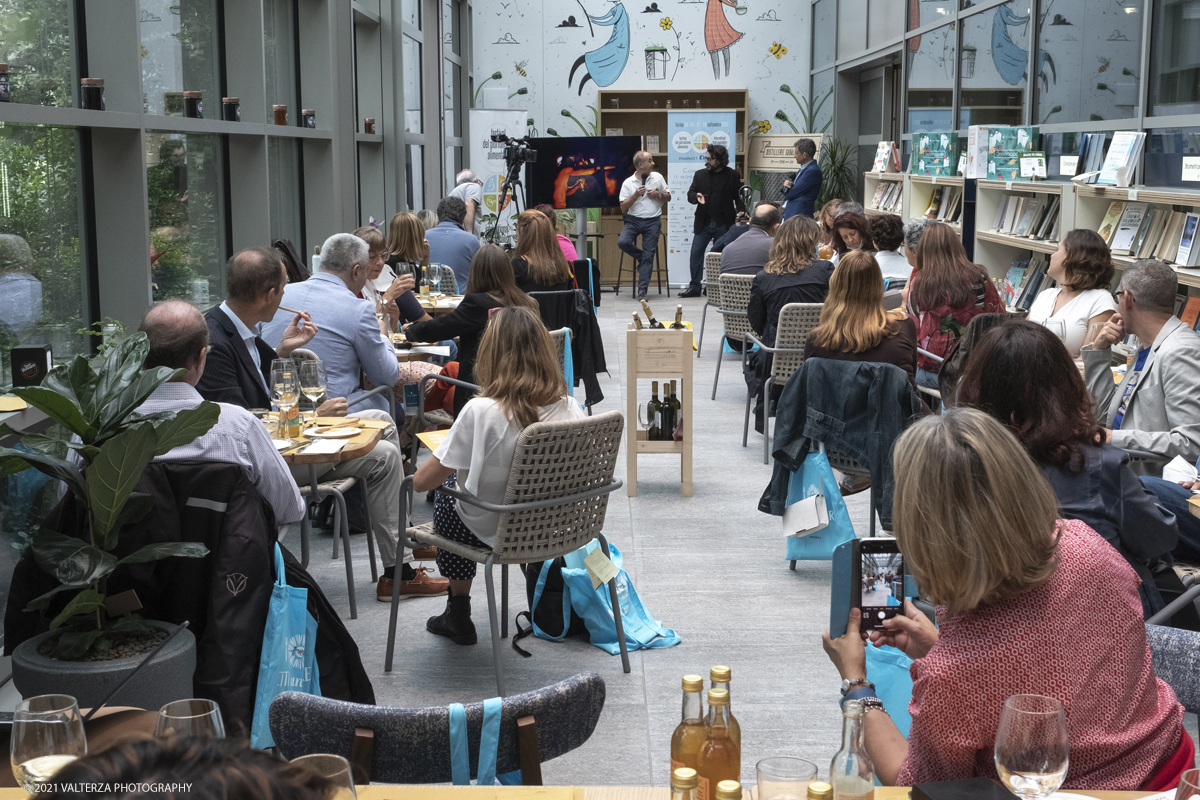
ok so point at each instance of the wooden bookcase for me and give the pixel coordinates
(655, 355)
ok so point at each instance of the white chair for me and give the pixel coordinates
(796, 321)
(735, 299)
(712, 292)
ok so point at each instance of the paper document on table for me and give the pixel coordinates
(600, 567)
(324, 447)
(1179, 469)
(431, 349)
(432, 439)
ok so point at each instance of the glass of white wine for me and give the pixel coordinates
(335, 768)
(194, 717)
(1032, 749)
(47, 734)
(285, 389)
(313, 381)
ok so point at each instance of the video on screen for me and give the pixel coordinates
(882, 587)
(580, 171)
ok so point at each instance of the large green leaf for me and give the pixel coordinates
(117, 367)
(76, 381)
(115, 471)
(38, 603)
(114, 414)
(52, 443)
(58, 468)
(161, 550)
(136, 508)
(186, 427)
(59, 408)
(86, 602)
(74, 644)
(72, 561)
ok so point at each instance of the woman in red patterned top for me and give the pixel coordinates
(1027, 604)
(946, 292)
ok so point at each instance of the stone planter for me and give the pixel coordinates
(168, 677)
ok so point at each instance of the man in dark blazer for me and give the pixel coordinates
(805, 185)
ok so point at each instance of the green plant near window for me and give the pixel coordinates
(839, 171)
(808, 113)
(94, 405)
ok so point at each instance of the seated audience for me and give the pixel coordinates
(212, 769)
(980, 533)
(239, 361)
(850, 207)
(888, 233)
(538, 263)
(1083, 269)
(564, 242)
(521, 382)
(1021, 374)
(740, 225)
(914, 229)
(407, 249)
(491, 286)
(747, 254)
(449, 243)
(854, 326)
(178, 336)
(391, 295)
(1156, 408)
(469, 189)
(850, 232)
(944, 294)
(429, 218)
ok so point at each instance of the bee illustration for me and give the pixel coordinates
(777, 50)
(1104, 62)
(520, 68)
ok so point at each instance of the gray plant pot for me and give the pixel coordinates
(168, 677)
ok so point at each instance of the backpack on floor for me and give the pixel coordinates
(546, 607)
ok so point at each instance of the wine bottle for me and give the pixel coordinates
(690, 732)
(654, 414)
(637, 321)
(668, 415)
(678, 323)
(673, 400)
(655, 324)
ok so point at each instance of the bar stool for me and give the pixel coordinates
(658, 268)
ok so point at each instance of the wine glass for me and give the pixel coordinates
(1032, 750)
(1056, 326)
(1189, 785)
(47, 734)
(312, 381)
(195, 717)
(285, 388)
(334, 768)
(435, 279)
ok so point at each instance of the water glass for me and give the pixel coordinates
(784, 778)
(1032, 750)
(1058, 327)
(195, 717)
(435, 278)
(334, 768)
(47, 734)
(1189, 785)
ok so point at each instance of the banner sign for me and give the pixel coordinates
(769, 153)
(689, 133)
(487, 159)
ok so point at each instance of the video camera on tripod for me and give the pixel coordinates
(516, 151)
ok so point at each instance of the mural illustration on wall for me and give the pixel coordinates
(719, 35)
(1010, 58)
(1103, 39)
(606, 63)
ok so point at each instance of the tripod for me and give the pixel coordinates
(512, 182)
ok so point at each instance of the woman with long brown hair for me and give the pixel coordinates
(825, 218)
(490, 286)
(946, 292)
(521, 382)
(564, 243)
(850, 232)
(539, 264)
(854, 326)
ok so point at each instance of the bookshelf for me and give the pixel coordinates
(871, 181)
(1092, 202)
(921, 189)
(996, 251)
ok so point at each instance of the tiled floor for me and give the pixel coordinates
(709, 566)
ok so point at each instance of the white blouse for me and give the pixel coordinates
(1075, 313)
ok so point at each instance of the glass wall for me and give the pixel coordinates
(286, 192)
(852, 34)
(994, 62)
(279, 42)
(1175, 58)
(928, 12)
(930, 67)
(179, 54)
(35, 42)
(1089, 56)
(822, 94)
(824, 32)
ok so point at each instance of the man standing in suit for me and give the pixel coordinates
(805, 185)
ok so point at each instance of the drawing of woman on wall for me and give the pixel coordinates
(606, 63)
(719, 35)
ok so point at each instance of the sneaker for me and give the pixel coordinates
(421, 586)
(425, 553)
(639, 296)
(689, 292)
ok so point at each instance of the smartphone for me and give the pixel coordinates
(878, 577)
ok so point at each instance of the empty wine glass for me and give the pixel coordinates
(1189, 785)
(312, 381)
(1056, 326)
(195, 717)
(285, 387)
(1032, 750)
(335, 768)
(47, 734)
(435, 279)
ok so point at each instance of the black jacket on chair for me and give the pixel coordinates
(229, 374)
(573, 309)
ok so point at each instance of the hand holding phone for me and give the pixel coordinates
(912, 633)
(879, 579)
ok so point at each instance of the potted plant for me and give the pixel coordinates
(98, 447)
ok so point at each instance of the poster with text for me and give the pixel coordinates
(487, 159)
(689, 133)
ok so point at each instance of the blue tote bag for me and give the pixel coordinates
(288, 662)
(816, 477)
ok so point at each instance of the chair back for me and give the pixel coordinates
(449, 281)
(735, 299)
(559, 339)
(558, 459)
(1176, 656)
(712, 274)
(796, 321)
(412, 745)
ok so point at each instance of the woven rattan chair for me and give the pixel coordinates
(796, 320)
(555, 503)
(735, 298)
(712, 291)
(448, 283)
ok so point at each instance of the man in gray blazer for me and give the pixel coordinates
(747, 254)
(1156, 408)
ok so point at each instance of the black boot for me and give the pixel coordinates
(455, 622)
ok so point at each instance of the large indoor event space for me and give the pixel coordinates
(825, 371)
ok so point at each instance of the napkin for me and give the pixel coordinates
(324, 447)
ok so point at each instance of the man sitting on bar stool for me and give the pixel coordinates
(643, 195)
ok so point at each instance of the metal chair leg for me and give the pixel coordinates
(793, 567)
(621, 269)
(370, 533)
(658, 267)
(340, 505)
(395, 611)
(872, 510)
(337, 530)
(766, 403)
(662, 241)
(703, 317)
(717, 377)
(494, 623)
(304, 539)
(616, 604)
(746, 421)
(504, 601)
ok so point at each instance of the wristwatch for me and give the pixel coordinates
(848, 684)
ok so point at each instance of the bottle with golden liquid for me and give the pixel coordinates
(690, 733)
(719, 758)
(684, 782)
(720, 677)
(729, 790)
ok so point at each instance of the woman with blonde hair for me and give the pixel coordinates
(539, 264)
(428, 218)
(521, 382)
(825, 217)
(854, 325)
(978, 527)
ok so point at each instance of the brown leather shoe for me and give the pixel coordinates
(421, 586)
(425, 553)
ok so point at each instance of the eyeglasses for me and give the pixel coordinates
(1117, 294)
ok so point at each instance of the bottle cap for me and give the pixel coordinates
(819, 790)
(693, 683)
(729, 790)
(685, 778)
(307, 111)
(720, 674)
(193, 94)
(720, 697)
(91, 81)
(230, 100)
(279, 108)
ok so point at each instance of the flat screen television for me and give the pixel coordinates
(580, 171)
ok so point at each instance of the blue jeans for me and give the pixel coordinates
(709, 233)
(1174, 498)
(647, 228)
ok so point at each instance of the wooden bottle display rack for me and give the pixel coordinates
(654, 354)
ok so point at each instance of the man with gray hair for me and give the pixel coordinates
(1156, 408)
(805, 185)
(448, 243)
(643, 197)
(469, 189)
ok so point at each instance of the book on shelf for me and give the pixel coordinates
(935, 202)
(977, 147)
(1191, 312)
(1154, 235)
(1005, 146)
(1128, 227)
(956, 210)
(1121, 161)
(1033, 210)
(1180, 299)
(1043, 229)
(1142, 231)
(1169, 246)
(1056, 228)
(934, 154)
(1012, 281)
(879, 192)
(1187, 254)
(1015, 218)
(652, 142)
(1112, 217)
(1091, 155)
(887, 158)
(1036, 276)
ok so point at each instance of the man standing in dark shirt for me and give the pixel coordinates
(714, 192)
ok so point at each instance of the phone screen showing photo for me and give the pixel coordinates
(882, 582)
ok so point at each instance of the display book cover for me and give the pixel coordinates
(1005, 147)
(935, 154)
(887, 158)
